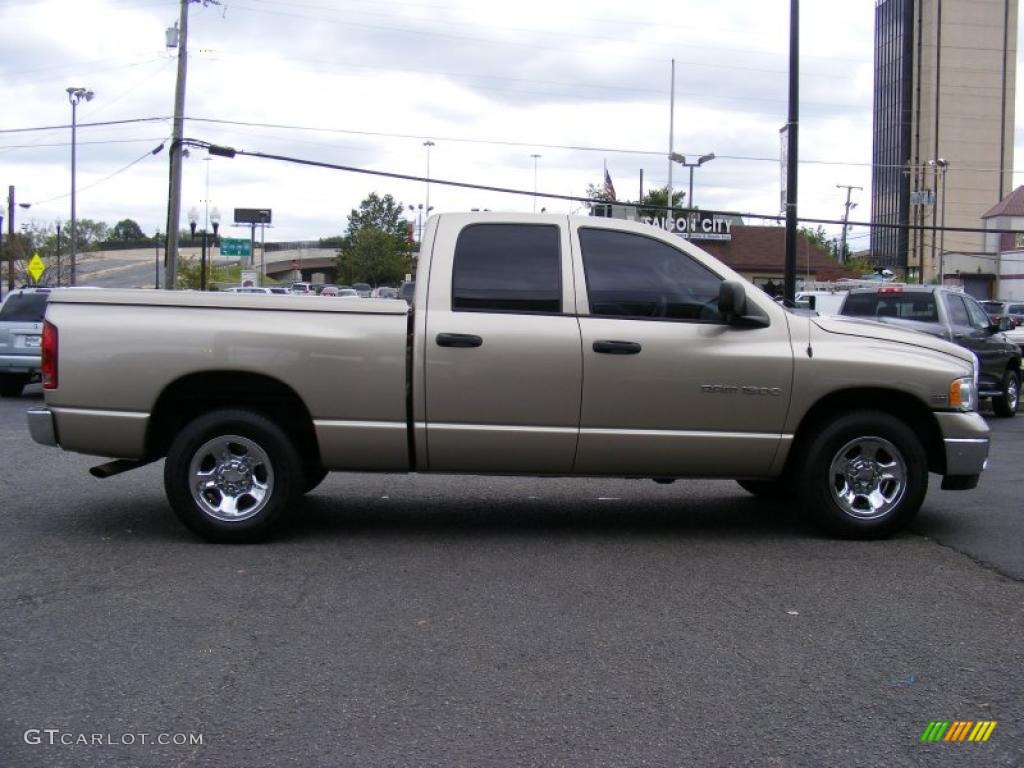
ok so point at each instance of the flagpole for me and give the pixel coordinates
(671, 134)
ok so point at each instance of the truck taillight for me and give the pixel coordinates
(49, 355)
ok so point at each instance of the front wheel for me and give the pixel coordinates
(1005, 404)
(230, 475)
(863, 476)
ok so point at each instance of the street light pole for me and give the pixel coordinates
(681, 159)
(428, 144)
(535, 159)
(75, 96)
(156, 245)
(941, 164)
(58, 254)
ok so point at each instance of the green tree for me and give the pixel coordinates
(126, 231)
(382, 213)
(189, 274)
(89, 234)
(376, 248)
(655, 203)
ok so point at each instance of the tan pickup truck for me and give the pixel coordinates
(535, 345)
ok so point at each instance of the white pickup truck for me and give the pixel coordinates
(535, 345)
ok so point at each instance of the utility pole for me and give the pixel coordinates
(10, 238)
(792, 123)
(846, 217)
(177, 131)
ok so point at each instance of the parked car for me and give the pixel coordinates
(278, 289)
(384, 292)
(997, 309)
(657, 361)
(330, 290)
(321, 287)
(956, 317)
(407, 291)
(248, 289)
(347, 293)
(302, 288)
(21, 328)
(363, 289)
(822, 302)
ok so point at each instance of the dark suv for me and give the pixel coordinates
(956, 317)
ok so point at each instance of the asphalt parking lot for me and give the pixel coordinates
(406, 620)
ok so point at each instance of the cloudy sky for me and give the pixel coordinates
(365, 82)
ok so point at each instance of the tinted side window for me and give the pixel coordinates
(636, 276)
(24, 308)
(508, 267)
(957, 311)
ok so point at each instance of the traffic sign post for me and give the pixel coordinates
(235, 246)
(36, 267)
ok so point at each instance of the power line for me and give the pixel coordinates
(79, 143)
(223, 151)
(119, 171)
(65, 126)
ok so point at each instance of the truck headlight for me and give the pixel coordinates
(963, 394)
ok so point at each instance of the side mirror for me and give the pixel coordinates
(1005, 323)
(732, 300)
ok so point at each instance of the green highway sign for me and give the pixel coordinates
(235, 246)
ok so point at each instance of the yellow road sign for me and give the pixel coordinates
(36, 267)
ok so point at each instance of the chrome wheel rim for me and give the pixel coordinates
(1012, 393)
(231, 478)
(868, 477)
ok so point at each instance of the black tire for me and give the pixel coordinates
(857, 453)
(11, 384)
(314, 476)
(1005, 404)
(254, 469)
(769, 489)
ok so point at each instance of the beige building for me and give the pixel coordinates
(945, 81)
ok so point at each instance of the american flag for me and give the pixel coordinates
(609, 188)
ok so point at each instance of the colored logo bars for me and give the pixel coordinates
(958, 730)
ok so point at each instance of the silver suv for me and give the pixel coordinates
(21, 328)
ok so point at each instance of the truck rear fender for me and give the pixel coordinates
(190, 396)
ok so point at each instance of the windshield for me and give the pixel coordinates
(902, 306)
(24, 308)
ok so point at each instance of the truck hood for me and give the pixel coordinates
(868, 329)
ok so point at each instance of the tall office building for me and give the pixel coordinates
(945, 77)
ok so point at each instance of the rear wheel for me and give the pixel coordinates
(230, 475)
(11, 384)
(1005, 404)
(865, 475)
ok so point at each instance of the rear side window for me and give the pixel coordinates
(905, 306)
(957, 311)
(508, 268)
(632, 275)
(24, 308)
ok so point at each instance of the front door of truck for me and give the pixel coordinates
(502, 365)
(669, 388)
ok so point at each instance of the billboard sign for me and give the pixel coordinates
(252, 215)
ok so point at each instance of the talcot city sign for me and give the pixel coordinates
(694, 227)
